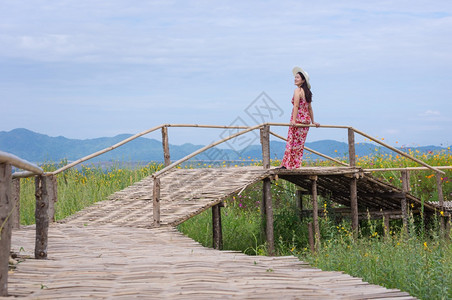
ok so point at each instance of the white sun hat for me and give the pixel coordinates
(305, 74)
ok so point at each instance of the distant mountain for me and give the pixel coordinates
(36, 147)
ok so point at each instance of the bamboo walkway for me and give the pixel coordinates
(113, 262)
(110, 251)
(188, 192)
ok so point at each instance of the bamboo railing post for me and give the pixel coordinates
(351, 147)
(315, 211)
(165, 144)
(386, 225)
(311, 237)
(15, 196)
(439, 182)
(299, 199)
(265, 142)
(216, 226)
(403, 202)
(156, 202)
(354, 204)
(353, 182)
(269, 216)
(5, 225)
(41, 216)
(51, 182)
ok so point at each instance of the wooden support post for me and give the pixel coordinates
(51, 182)
(41, 216)
(386, 224)
(353, 183)
(354, 205)
(156, 202)
(165, 144)
(15, 195)
(216, 226)
(265, 142)
(403, 203)
(311, 237)
(6, 207)
(299, 200)
(269, 216)
(447, 231)
(315, 212)
(263, 208)
(439, 186)
(351, 147)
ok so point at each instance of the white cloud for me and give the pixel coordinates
(430, 113)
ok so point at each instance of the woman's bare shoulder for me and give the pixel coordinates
(298, 93)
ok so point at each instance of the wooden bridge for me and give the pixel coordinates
(127, 246)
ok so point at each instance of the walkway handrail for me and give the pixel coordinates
(407, 169)
(106, 149)
(398, 151)
(247, 129)
(167, 168)
(20, 163)
(313, 151)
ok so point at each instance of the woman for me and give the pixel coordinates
(301, 114)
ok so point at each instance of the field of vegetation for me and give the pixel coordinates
(419, 261)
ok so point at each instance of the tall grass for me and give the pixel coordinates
(79, 188)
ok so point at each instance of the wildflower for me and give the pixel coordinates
(441, 213)
(425, 245)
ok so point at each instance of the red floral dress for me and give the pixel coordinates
(297, 137)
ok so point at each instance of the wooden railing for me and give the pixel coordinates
(9, 209)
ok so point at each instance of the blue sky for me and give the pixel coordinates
(86, 69)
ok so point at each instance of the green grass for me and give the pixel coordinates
(79, 188)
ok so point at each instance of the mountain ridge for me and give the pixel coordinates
(38, 147)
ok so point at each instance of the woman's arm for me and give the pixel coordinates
(311, 113)
(296, 105)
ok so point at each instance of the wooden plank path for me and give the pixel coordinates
(111, 251)
(113, 262)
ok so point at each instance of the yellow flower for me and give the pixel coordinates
(442, 213)
(425, 245)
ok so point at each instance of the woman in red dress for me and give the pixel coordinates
(301, 114)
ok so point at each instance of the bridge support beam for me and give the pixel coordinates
(6, 207)
(269, 231)
(15, 195)
(354, 205)
(403, 203)
(45, 196)
(315, 212)
(217, 230)
(156, 202)
(353, 182)
(442, 219)
(165, 144)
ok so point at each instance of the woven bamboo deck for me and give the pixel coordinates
(112, 262)
(110, 251)
(188, 192)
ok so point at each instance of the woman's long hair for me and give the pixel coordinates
(307, 91)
